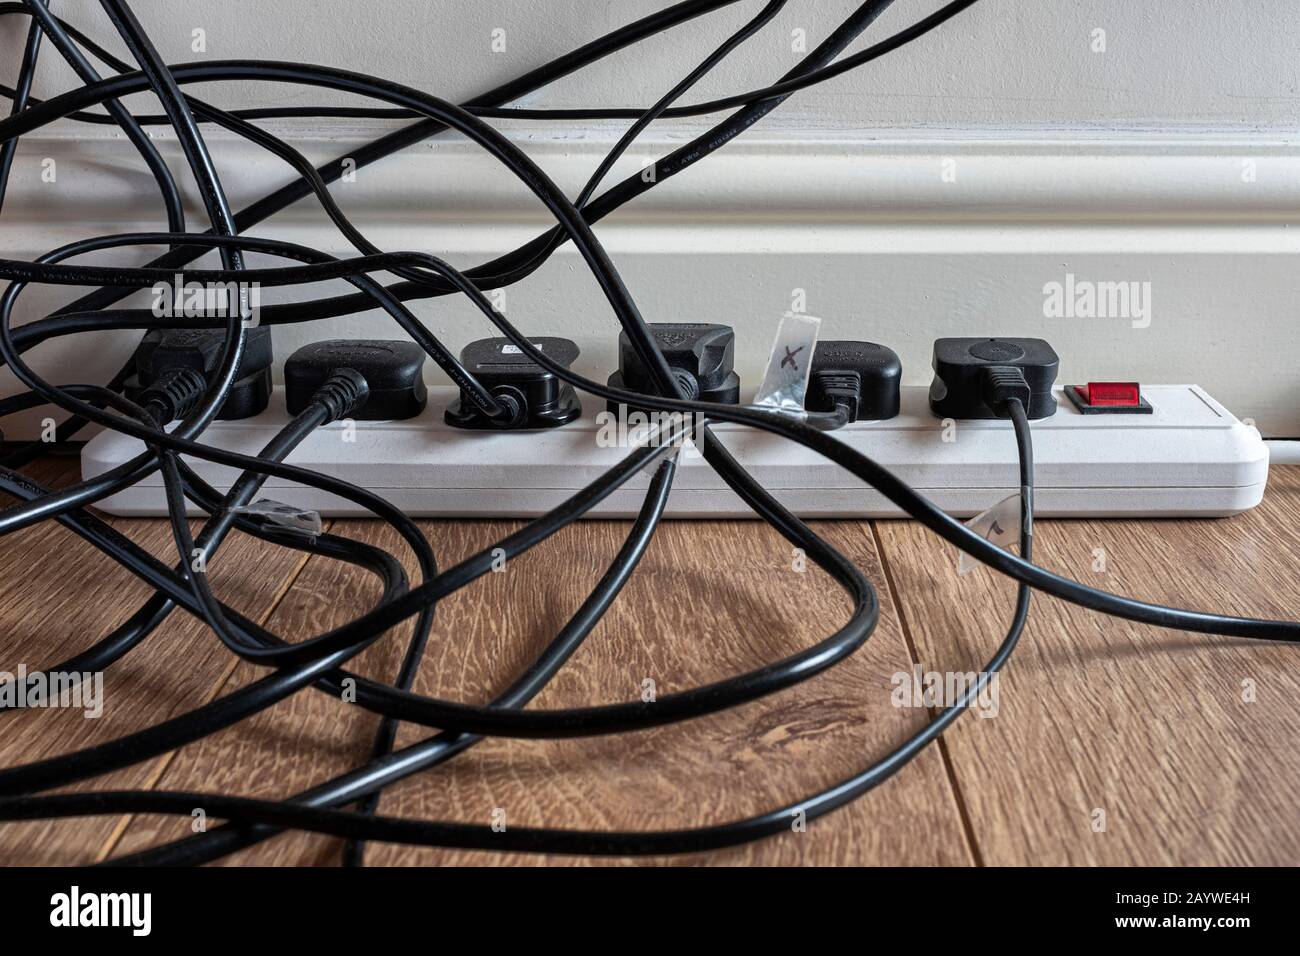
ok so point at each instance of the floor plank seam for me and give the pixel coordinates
(967, 824)
(165, 761)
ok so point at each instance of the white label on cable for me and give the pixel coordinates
(288, 517)
(785, 383)
(999, 525)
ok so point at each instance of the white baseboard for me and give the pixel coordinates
(897, 238)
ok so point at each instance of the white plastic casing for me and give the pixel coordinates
(1191, 457)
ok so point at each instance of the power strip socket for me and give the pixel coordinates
(1188, 457)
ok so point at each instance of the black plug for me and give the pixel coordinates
(861, 377)
(343, 395)
(1004, 383)
(392, 371)
(173, 395)
(163, 352)
(973, 378)
(700, 354)
(533, 396)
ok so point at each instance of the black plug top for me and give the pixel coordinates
(700, 354)
(167, 350)
(968, 384)
(164, 352)
(534, 396)
(862, 377)
(1002, 384)
(173, 395)
(393, 373)
(343, 395)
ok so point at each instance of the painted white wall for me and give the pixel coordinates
(1170, 159)
(1002, 63)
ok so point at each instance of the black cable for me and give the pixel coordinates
(516, 265)
(268, 815)
(21, 94)
(156, 609)
(690, 153)
(248, 700)
(271, 815)
(317, 660)
(520, 337)
(285, 196)
(539, 249)
(442, 747)
(130, 472)
(354, 851)
(577, 721)
(616, 294)
(330, 651)
(600, 599)
(661, 360)
(100, 765)
(1250, 627)
(187, 131)
(749, 490)
(171, 195)
(863, 467)
(775, 91)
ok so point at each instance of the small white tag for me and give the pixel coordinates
(288, 517)
(1000, 525)
(785, 382)
(509, 349)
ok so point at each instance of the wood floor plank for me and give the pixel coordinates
(1186, 743)
(681, 622)
(57, 596)
(1149, 726)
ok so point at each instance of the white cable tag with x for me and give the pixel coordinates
(1000, 525)
(785, 383)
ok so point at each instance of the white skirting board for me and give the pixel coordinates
(1190, 457)
(893, 236)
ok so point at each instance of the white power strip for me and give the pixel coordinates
(1190, 457)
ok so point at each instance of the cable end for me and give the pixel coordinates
(343, 394)
(1000, 384)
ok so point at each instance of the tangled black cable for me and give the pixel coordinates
(319, 660)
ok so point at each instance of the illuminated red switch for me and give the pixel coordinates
(1113, 393)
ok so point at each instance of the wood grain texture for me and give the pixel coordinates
(58, 595)
(1145, 724)
(705, 624)
(1152, 726)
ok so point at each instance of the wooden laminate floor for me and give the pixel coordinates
(1112, 743)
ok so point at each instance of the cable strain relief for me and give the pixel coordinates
(838, 388)
(688, 383)
(513, 404)
(1003, 383)
(342, 394)
(175, 394)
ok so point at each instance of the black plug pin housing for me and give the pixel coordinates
(863, 376)
(393, 371)
(164, 352)
(534, 397)
(966, 369)
(700, 354)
